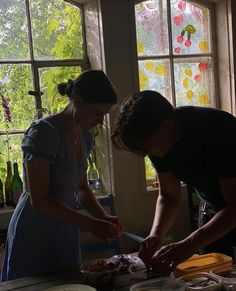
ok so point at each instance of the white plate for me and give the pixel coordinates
(71, 287)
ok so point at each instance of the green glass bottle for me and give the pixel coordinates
(1, 194)
(8, 186)
(17, 184)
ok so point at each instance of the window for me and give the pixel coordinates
(41, 44)
(175, 53)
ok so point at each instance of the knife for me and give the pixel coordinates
(134, 237)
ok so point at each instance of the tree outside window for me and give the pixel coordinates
(41, 44)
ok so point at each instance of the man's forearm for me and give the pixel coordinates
(221, 224)
(165, 215)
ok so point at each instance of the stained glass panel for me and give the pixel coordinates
(151, 28)
(190, 28)
(155, 75)
(194, 82)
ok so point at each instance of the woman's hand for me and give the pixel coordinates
(104, 230)
(148, 248)
(115, 220)
(168, 257)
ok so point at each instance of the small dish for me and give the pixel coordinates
(201, 281)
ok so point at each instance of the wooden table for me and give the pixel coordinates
(72, 276)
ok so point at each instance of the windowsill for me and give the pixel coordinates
(151, 189)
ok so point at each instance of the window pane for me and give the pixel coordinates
(155, 75)
(190, 28)
(102, 156)
(49, 78)
(10, 150)
(150, 171)
(194, 82)
(13, 30)
(15, 82)
(57, 30)
(151, 27)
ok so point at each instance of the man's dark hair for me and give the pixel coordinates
(141, 116)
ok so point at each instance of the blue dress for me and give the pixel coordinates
(35, 242)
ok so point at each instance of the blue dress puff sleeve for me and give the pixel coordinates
(41, 142)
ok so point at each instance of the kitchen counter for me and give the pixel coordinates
(72, 276)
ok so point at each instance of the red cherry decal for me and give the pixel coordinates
(180, 38)
(197, 78)
(188, 43)
(177, 50)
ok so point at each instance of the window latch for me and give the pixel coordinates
(35, 93)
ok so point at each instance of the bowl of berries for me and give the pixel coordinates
(100, 271)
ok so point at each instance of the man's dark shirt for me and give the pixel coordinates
(205, 152)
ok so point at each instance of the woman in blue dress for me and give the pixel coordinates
(43, 234)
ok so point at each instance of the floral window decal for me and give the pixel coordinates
(174, 50)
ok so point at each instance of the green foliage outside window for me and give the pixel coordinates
(56, 35)
(150, 171)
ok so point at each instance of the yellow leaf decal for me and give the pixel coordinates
(203, 99)
(140, 47)
(189, 94)
(185, 83)
(161, 70)
(149, 66)
(203, 46)
(143, 80)
(188, 72)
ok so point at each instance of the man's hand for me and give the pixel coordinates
(168, 257)
(148, 248)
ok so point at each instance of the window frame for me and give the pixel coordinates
(84, 63)
(36, 65)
